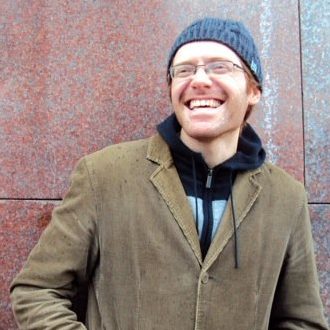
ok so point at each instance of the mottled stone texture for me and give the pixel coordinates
(79, 75)
(315, 32)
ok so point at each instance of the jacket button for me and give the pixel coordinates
(205, 278)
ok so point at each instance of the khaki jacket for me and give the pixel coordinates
(126, 227)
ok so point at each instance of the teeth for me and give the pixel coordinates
(204, 103)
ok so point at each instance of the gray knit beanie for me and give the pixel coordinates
(232, 34)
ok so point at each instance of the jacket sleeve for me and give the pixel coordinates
(297, 303)
(64, 257)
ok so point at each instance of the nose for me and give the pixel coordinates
(201, 78)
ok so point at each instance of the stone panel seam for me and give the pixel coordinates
(318, 203)
(30, 199)
(302, 88)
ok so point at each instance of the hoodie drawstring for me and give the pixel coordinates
(195, 190)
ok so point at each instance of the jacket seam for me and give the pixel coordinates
(298, 217)
(95, 238)
(91, 175)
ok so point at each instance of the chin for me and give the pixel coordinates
(203, 134)
(209, 133)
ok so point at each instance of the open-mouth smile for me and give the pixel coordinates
(204, 103)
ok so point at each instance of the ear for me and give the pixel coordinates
(254, 94)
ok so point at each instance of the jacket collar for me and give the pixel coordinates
(159, 152)
(245, 192)
(166, 180)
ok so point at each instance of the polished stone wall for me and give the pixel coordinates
(78, 75)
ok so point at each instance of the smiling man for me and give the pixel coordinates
(188, 229)
(210, 94)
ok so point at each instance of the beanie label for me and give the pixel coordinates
(253, 66)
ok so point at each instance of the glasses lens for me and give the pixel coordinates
(182, 71)
(220, 67)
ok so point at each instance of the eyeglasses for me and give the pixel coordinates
(217, 68)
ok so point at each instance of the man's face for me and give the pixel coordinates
(210, 106)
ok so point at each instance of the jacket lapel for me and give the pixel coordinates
(245, 192)
(166, 180)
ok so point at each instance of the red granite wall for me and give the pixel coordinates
(78, 75)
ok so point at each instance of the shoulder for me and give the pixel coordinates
(281, 199)
(280, 184)
(124, 153)
(280, 176)
(120, 162)
(114, 164)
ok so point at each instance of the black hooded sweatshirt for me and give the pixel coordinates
(208, 189)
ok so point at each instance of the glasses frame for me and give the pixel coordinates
(207, 68)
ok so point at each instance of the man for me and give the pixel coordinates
(189, 229)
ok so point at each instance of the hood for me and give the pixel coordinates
(250, 153)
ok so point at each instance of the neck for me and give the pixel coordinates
(214, 151)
